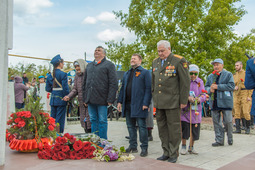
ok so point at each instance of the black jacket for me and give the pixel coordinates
(100, 83)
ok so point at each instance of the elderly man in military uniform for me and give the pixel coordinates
(170, 91)
(242, 99)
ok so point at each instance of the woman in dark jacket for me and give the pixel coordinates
(80, 66)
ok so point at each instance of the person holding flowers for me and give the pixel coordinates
(57, 85)
(220, 86)
(191, 115)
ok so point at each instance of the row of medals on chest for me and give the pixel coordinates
(170, 70)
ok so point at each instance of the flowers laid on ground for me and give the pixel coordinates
(111, 153)
(66, 147)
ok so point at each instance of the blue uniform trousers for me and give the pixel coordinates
(59, 113)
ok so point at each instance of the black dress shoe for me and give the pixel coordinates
(131, 150)
(215, 144)
(172, 160)
(144, 153)
(127, 137)
(163, 158)
(230, 142)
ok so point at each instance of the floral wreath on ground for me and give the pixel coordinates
(26, 129)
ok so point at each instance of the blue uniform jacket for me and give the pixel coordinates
(225, 89)
(57, 93)
(250, 81)
(141, 92)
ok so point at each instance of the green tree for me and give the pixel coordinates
(199, 30)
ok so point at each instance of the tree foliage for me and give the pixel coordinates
(199, 30)
(32, 70)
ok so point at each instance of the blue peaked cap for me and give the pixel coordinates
(56, 60)
(41, 77)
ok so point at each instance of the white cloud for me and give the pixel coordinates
(89, 20)
(103, 16)
(106, 16)
(108, 35)
(27, 7)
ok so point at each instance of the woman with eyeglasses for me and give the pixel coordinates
(193, 112)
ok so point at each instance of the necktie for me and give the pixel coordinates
(162, 63)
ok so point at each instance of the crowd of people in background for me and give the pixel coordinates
(173, 88)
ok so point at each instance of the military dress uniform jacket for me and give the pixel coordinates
(250, 81)
(58, 93)
(239, 78)
(170, 83)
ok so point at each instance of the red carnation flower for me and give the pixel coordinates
(51, 120)
(65, 148)
(214, 72)
(48, 95)
(72, 139)
(26, 114)
(40, 155)
(204, 91)
(17, 120)
(86, 144)
(58, 139)
(72, 155)
(61, 155)
(63, 140)
(21, 123)
(57, 147)
(55, 157)
(67, 135)
(78, 145)
(241, 80)
(51, 128)
(9, 122)
(218, 74)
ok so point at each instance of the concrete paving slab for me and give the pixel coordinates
(208, 158)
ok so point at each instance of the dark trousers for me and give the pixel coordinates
(59, 113)
(169, 128)
(19, 105)
(131, 125)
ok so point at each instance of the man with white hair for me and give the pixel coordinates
(170, 90)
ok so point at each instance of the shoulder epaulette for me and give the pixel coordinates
(155, 58)
(178, 56)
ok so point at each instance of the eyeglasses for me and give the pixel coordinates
(193, 74)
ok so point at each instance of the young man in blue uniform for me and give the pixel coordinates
(249, 82)
(57, 85)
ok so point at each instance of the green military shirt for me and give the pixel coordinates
(170, 83)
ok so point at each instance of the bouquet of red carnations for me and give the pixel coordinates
(66, 147)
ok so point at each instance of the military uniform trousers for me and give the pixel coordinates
(59, 113)
(169, 128)
(241, 105)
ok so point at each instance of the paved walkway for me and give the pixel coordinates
(208, 158)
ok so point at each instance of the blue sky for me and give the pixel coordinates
(44, 28)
